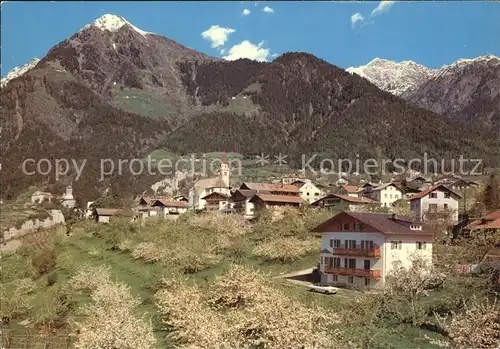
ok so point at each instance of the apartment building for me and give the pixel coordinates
(362, 248)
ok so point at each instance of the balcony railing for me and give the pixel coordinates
(374, 274)
(365, 252)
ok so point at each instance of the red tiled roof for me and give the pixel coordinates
(350, 188)
(166, 203)
(382, 222)
(354, 199)
(431, 189)
(151, 199)
(279, 198)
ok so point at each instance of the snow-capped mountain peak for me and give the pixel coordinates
(18, 71)
(394, 77)
(113, 23)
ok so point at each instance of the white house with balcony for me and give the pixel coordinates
(361, 249)
(435, 200)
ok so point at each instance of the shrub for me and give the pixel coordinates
(477, 326)
(125, 245)
(89, 278)
(51, 278)
(53, 309)
(44, 260)
(15, 300)
(111, 323)
(286, 249)
(238, 287)
(24, 286)
(231, 225)
(259, 316)
(114, 239)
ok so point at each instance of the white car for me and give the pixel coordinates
(323, 288)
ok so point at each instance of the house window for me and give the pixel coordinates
(421, 245)
(357, 227)
(350, 244)
(350, 279)
(445, 206)
(396, 245)
(433, 207)
(433, 195)
(385, 196)
(345, 226)
(336, 262)
(390, 196)
(367, 281)
(336, 243)
(366, 244)
(447, 195)
(335, 278)
(352, 263)
(366, 264)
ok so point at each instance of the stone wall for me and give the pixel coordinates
(11, 237)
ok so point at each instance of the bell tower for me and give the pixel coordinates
(224, 171)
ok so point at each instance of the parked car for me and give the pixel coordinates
(323, 288)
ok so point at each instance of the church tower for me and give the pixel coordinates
(224, 171)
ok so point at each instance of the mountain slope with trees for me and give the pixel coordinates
(119, 93)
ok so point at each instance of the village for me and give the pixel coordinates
(374, 227)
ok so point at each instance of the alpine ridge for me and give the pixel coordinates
(467, 89)
(394, 77)
(18, 71)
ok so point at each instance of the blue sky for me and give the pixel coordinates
(345, 34)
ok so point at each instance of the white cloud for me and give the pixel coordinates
(217, 35)
(382, 7)
(245, 12)
(246, 49)
(357, 17)
(222, 51)
(268, 9)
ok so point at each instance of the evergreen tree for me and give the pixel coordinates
(491, 194)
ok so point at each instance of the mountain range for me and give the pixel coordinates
(114, 91)
(467, 90)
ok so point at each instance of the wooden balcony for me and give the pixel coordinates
(368, 273)
(373, 252)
